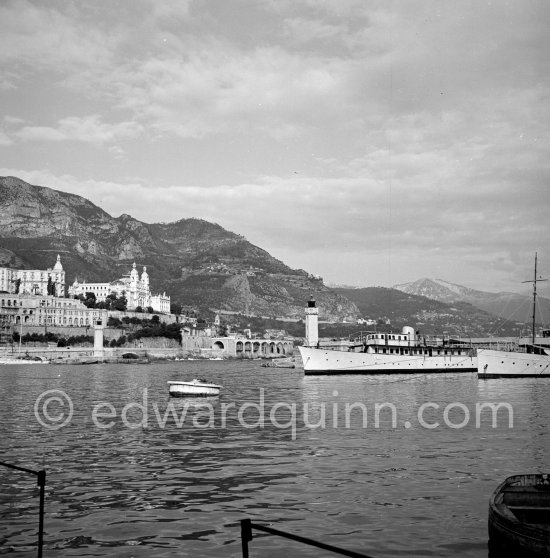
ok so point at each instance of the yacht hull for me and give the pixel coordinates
(326, 361)
(509, 364)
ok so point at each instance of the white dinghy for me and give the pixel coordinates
(194, 388)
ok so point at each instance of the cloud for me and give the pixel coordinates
(40, 37)
(304, 30)
(171, 10)
(5, 139)
(89, 129)
(184, 84)
(390, 138)
(217, 90)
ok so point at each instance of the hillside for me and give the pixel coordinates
(197, 263)
(428, 315)
(509, 306)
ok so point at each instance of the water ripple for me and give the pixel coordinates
(182, 489)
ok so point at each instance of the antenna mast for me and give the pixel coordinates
(534, 281)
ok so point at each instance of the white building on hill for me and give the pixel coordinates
(132, 286)
(34, 281)
(43, 310)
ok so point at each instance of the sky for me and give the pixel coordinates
(370, 142)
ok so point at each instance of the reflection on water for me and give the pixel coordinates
(180, 486)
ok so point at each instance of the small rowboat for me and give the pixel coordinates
(194, 388)
(519, 517)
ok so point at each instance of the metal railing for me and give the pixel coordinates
(246, 536)
(41, 479)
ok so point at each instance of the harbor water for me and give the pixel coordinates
(388, 465)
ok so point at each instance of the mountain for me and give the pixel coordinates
(510, 306)
(437, 289)
(199, 264)
(429, 315)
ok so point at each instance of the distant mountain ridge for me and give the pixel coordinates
(200, 264)
(438, 289)
(509, 306)
(427, 314)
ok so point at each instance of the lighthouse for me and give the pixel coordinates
(312, 328)
(99, 326)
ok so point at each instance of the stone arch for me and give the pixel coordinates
(219, 345)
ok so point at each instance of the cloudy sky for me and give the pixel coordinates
(369, 142)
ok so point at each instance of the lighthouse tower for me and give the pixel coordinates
(312, 328)
(99, 326)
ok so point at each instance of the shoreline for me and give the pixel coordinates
(140, 356)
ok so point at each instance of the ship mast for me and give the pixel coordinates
(534, 281)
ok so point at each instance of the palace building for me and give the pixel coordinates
(34, 281)
(133, 287)
(43, 310)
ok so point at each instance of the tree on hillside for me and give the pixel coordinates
(89, 299)
(175, 308)
(120, 304)
(110, 300)
(51, 287)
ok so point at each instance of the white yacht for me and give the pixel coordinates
(528, 359)
(383, 353)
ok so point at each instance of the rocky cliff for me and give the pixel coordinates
(197, 263)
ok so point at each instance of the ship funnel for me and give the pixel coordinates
(409, 331)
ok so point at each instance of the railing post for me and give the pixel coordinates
(246, 535)
(41, 475)
(41, 481)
